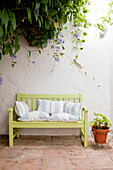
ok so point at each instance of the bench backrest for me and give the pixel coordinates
(32, 99)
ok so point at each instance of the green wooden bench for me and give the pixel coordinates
(31, 100)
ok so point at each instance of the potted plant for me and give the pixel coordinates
(100, 127)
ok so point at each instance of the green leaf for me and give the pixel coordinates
(13, 20)
(46, 8)
(19, 1)
(73, 41)
(84, 33)
(83, 41)
(65, 27)
(29, 14)
(0, 56)
(76, 56)
(5, 19)
(8, 48)
(39, 22)
(72, 32)
(52, 12)
(81, 48)
(1, 43)
(36, 15)
(1, 31)
(29, 53)
(17, 46)
(44, 1)
(47, 25)
(37, 5)
(39, 51)
(41, 19)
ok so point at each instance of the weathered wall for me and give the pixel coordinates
(92, 80)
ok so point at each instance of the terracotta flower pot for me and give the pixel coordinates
(100, 135)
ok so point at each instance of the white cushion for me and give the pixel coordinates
(50, 106)
(63, 117)
(35, 116)
(73, 108)
(21, 108)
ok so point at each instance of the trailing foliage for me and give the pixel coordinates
(37, 21)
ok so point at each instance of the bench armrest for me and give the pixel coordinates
(85, 114)
(11, 111)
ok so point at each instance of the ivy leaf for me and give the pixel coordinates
(13, 20)
(1, 31)
(44, 1)
(29, 14)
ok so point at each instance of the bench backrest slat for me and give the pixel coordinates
(32, 99)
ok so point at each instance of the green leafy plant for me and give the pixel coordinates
(100, 122)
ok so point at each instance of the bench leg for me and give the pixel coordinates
(10, 136)
(18, 133)
(85, 135)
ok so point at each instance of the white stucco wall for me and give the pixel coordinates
(93, 80)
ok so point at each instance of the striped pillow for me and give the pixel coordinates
(21, 108)
(50, 106)
(73, 108)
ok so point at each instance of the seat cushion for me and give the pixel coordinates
(63, 117)
(35, 116)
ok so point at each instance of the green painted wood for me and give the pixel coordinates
(76, 100)
(28, 103)
(10, 126)
(33, 104)
(80, 98)
(61, 96)
(23, 100)
(43, 124)
(31, 98)
(85, 127)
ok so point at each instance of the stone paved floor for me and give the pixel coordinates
(54, 153)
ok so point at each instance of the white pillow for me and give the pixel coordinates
(35, 116)
(63, 117)
(21, 108)
(73, 108)
(50, 106)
